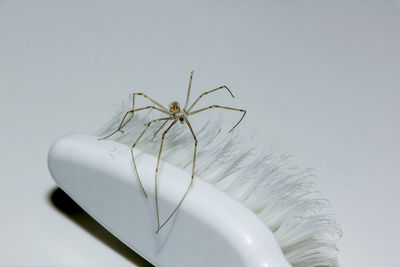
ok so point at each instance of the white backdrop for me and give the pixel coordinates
(319, 78)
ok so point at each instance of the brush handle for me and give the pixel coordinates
(210, 228)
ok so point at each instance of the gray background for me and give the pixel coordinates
(319, 78)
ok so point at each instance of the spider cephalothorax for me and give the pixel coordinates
(174, 107)
(174, 114)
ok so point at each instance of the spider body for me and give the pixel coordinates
(174, 113)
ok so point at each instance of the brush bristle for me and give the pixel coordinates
(283, 196)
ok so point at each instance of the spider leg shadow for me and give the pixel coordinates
(69, 208)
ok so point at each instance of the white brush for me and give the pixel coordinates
(280, 195)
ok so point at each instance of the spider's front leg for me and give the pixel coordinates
(191, 180)
(149, 98)
(162, 125)
(217, 106)
(155, 178)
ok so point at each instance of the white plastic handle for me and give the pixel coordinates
(209, 229)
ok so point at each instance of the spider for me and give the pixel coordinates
(174, 114)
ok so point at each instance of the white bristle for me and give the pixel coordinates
(283, 196)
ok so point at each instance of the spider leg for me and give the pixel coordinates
(133, 146)
(188, 92)
(131, 113)
(216, 106)
(149, 98)
(191, 181)
(159, 129)
(208, 92)
(158, 162)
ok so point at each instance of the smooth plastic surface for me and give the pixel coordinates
(210, 228)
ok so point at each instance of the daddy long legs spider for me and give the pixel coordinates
(175, 114)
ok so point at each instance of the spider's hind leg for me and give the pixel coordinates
(131, 112)
(133, 146)
(121, 125)
(208, 92)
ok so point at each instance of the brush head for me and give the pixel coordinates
(210, 229)
(283, 196)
